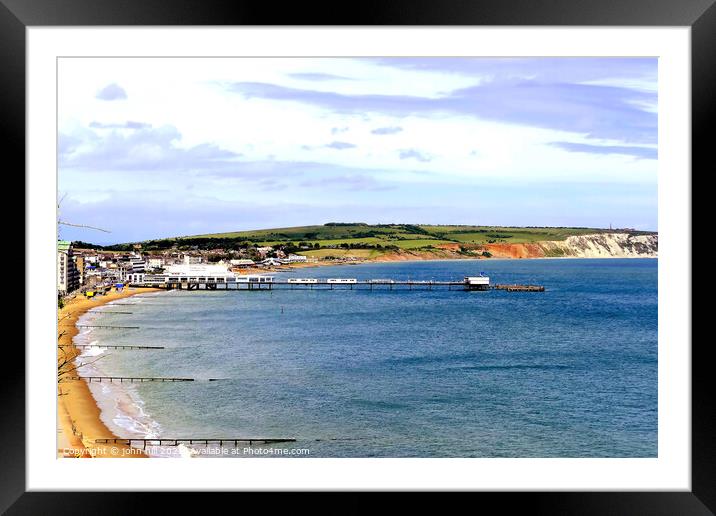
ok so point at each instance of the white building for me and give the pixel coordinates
(263, 251)
(154, 263)
(68, 278)
(134, 270)
(133, 278)
(194, 274)
(238, 263)
(201, 269)
(138, 264)
(296, 258)
(192, 260)
(270, 262)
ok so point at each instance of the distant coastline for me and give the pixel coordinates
(357, 242)
(587, 246)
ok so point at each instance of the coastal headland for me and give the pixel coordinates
(358, 242)
(78, 415)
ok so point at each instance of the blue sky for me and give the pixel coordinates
(164, 147)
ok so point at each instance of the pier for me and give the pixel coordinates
(205, 442)
(123, 379)
(261, 282)
(258, 283)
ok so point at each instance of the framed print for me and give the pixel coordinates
(408, 250)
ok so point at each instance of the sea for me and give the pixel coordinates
(569, 372)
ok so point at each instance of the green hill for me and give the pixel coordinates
(405, 236)
(373, 238)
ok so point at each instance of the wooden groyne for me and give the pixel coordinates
(106, 312)
(519, 288)
(109, 346)
(122, 379)
(205, 442)
(107, 326)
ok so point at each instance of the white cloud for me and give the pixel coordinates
(187, 95)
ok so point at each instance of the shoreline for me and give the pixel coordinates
(78, 414)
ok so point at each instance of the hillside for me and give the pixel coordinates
(404, 236)
(407, 241)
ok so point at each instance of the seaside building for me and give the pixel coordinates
(270, 262)
(200, 269)
(138, 263)
(194, 274)
(136, 269)
(296, 258)
(242, 262)
(155, 263)
(80, 266)
(192, 260)
(263, 251)
(68, 279)
(92, 275)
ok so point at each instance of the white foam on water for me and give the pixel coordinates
(123, 411)
(93, 351)
(84, 335)
(129, 414)
(121, 407)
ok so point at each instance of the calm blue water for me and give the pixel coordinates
(571, 372)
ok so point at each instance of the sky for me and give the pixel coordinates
(162, 147)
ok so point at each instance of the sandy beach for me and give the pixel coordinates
(78, 415)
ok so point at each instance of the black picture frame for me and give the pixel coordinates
(700, 15)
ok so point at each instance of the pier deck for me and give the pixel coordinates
(356, 285)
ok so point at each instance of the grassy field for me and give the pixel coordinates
(325, 232)
(344, 253)
(336, 234)
(501, 234)
(404, 236)
(368, 241)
